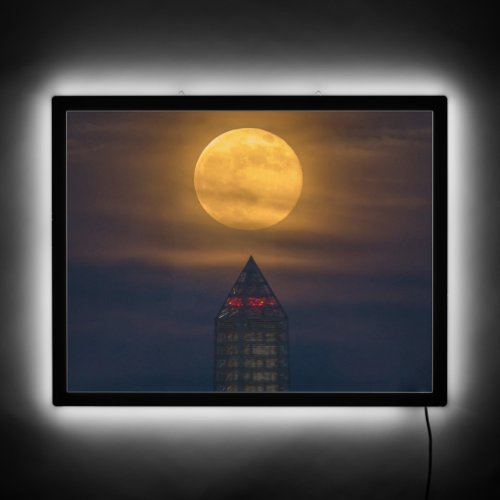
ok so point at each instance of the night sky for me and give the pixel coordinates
(148, 268)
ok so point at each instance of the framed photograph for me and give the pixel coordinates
(249, 250)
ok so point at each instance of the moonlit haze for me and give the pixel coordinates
(248, 179)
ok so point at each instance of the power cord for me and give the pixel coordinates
(429, 470)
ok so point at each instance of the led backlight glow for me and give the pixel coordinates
(95, 421)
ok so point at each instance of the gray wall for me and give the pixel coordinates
(230, 47)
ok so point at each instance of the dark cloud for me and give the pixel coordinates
(135, 327)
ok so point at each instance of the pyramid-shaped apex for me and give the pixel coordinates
(251, 266)
(251, 276)
(251, 295)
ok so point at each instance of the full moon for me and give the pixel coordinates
(248, 178)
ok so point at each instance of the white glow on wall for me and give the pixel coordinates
(340, 81)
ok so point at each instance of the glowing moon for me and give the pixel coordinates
(248, 178)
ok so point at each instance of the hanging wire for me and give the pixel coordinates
(429, 470)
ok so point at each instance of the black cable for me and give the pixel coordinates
(430, 455)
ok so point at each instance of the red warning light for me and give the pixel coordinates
(235, 302)
(256, 301)
(251, 301)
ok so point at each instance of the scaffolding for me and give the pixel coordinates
(251, 337)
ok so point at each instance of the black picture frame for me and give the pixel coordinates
(61, 105)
